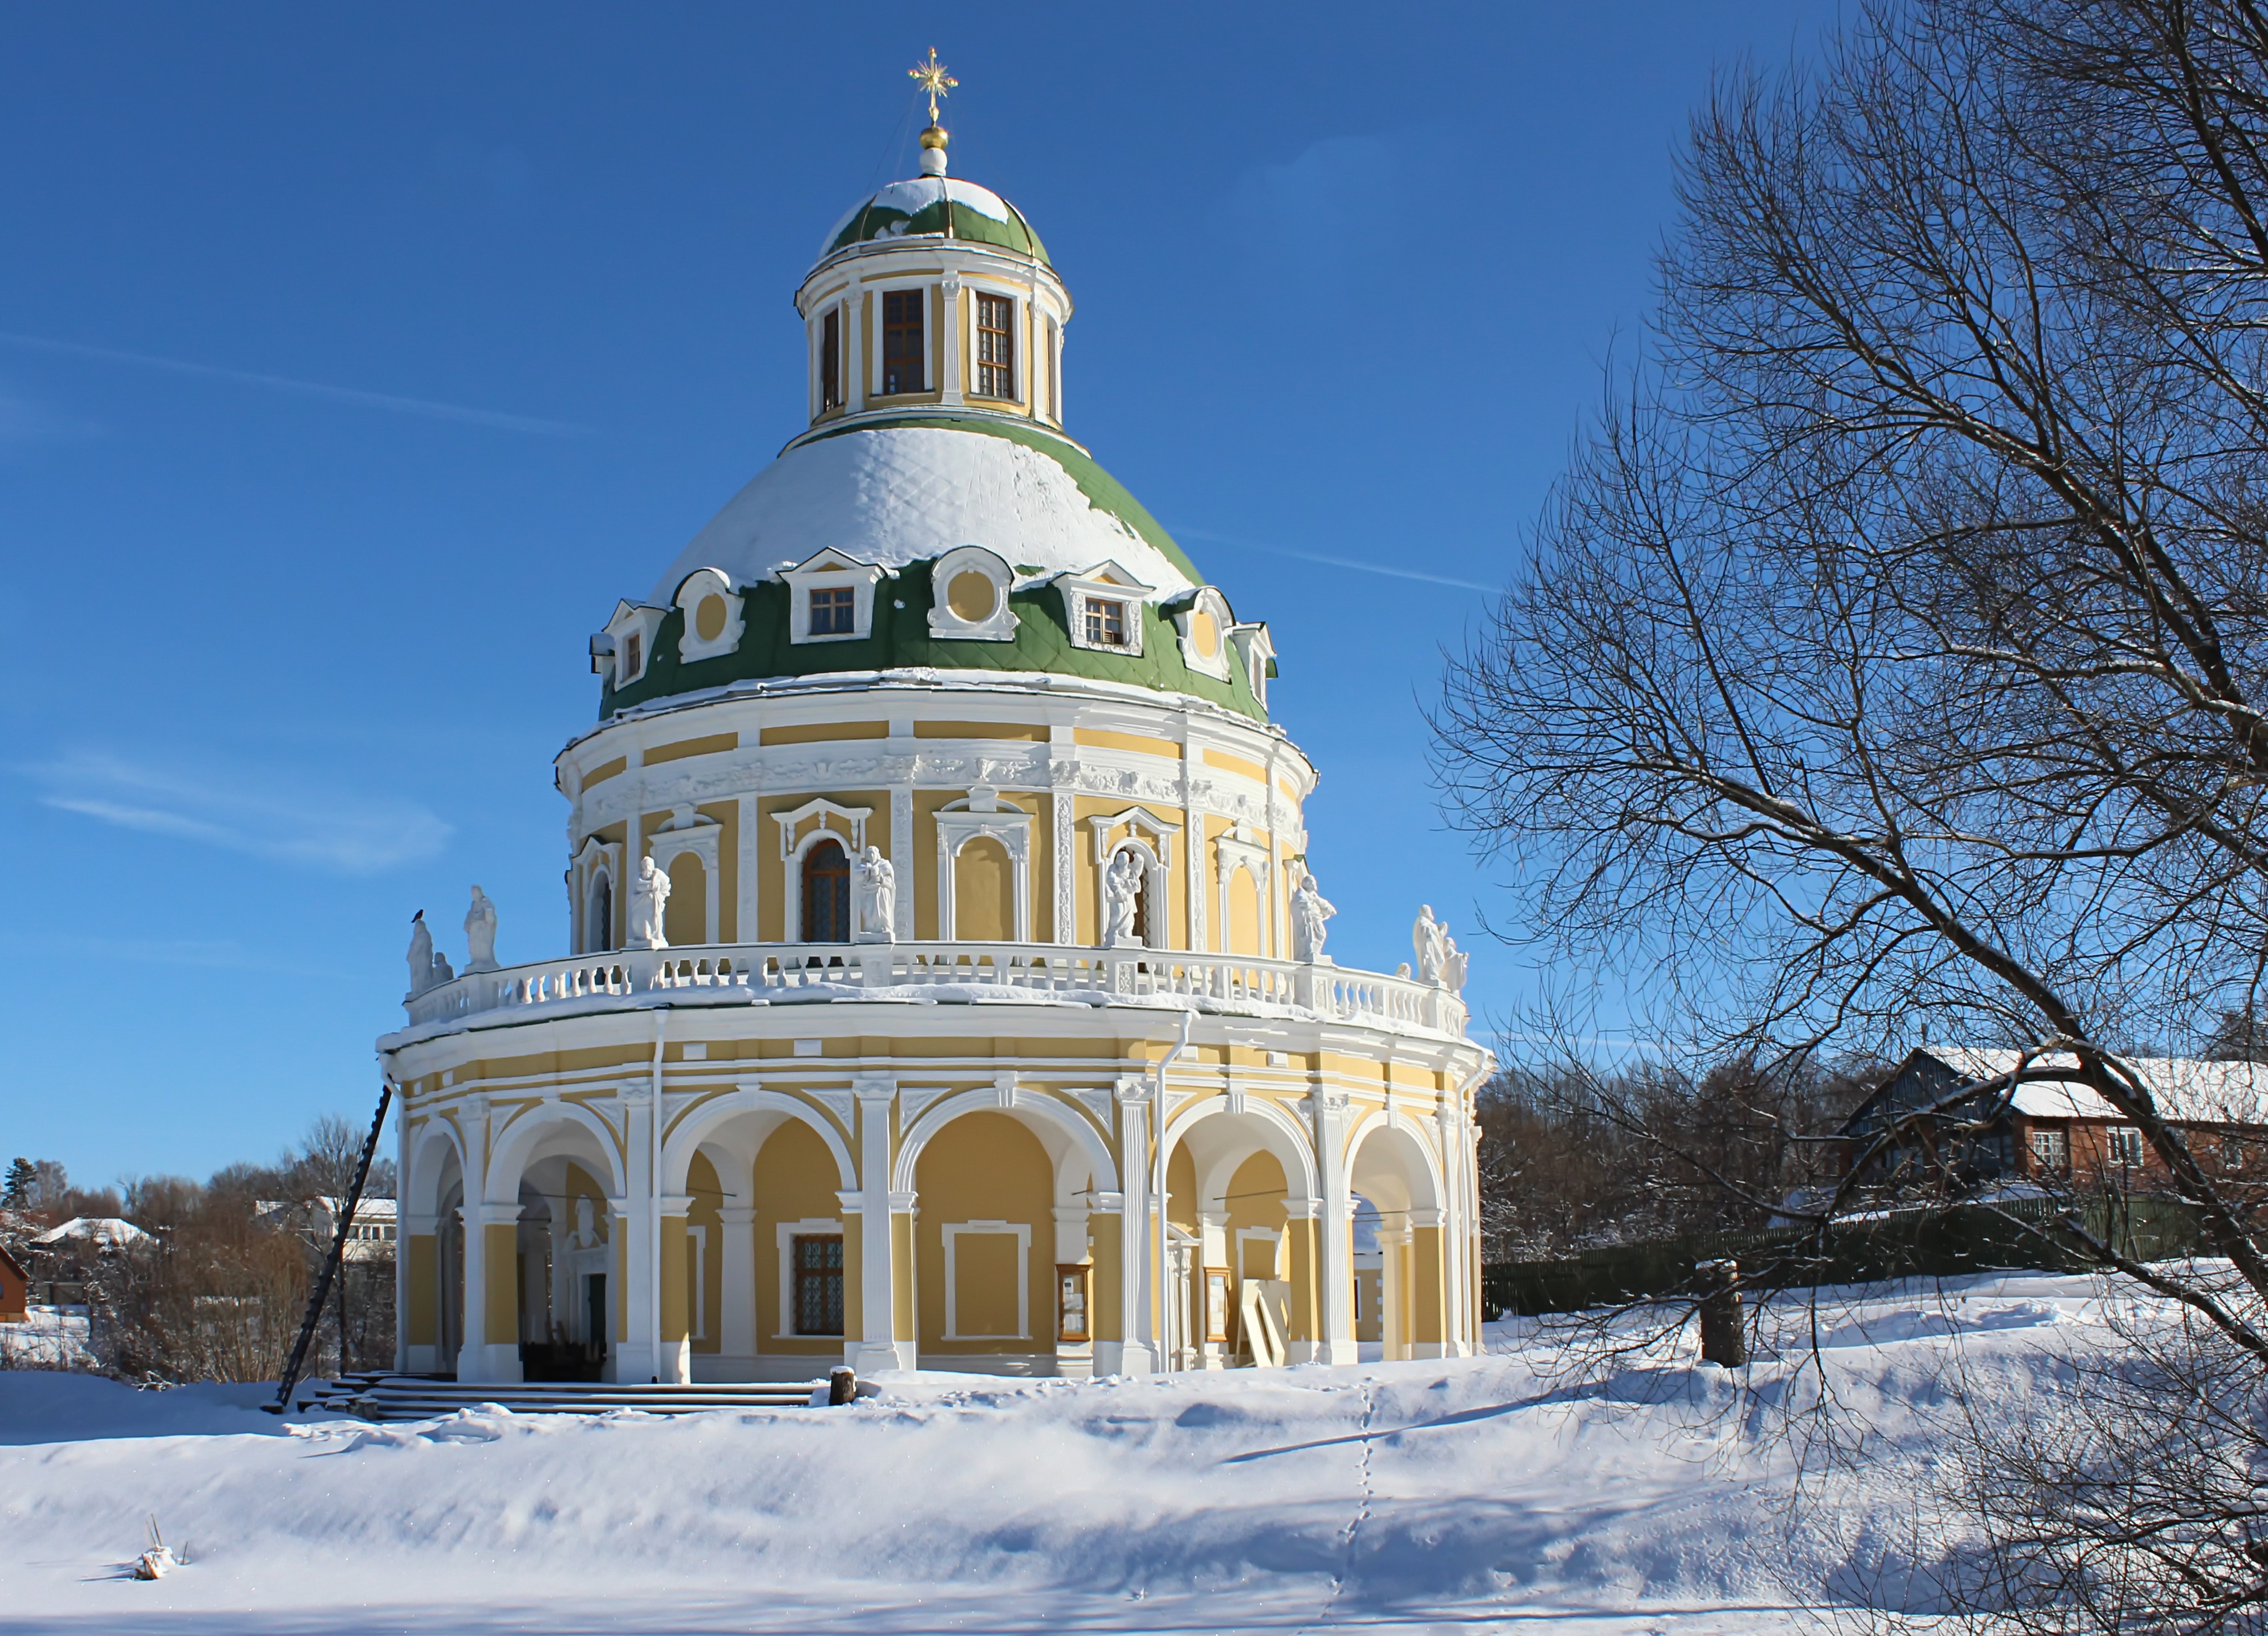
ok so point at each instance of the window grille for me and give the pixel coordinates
(996, 347)
(818, 1284)
(834, 612)
(1106, 622)
(902, 368)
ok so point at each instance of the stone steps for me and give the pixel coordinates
(383, 1397)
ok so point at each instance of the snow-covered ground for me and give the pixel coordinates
(1475, 1494)
(50, 1338)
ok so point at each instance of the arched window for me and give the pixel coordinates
(825, 895)
(599, 924)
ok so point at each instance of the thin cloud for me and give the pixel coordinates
(1356, 564)
(338, 832)
(492, 418)
(24, 421)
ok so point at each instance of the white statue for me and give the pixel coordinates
(878, 898)
(1453, 965)
(420, 955)
(586, 1235)
(1309, 909)
(480, 933)
(1430, 938)
(649, 897)
(1121, 891)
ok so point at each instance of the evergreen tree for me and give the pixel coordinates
(23, 1181)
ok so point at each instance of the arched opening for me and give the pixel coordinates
(983, 893)
(826, 894)
(599, 915)
(1242, 1267)
(1390, 1174)
(685, 919)
(985, 1246)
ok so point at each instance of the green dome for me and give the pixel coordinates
(936, 207)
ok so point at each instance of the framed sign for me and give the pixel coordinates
(1216, 1306)
(1071, 1303)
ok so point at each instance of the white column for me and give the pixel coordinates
(880, 1346)
(629, 1326)
(1138, 1269)
(483, 1357)
(901, 854)
(1335, 1276)
(407, 1187)
(1393, 1287)
(736, 1278)
(856, 352)
(948, 304)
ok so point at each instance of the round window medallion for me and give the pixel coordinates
(1204, 635)
(708, 618)
(972, 597)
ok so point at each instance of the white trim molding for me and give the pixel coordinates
(982, 813)
(997, 623)
(787, 1233)
(1105, 581)
(1022, 1233)
(1207, 619)
(686, 831)
(699, 586)
(830, 569)
(1233, 849)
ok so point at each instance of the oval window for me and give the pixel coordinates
(708, 618)
(972, 597)
(1204, 634)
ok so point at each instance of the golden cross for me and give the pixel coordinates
(933, 79)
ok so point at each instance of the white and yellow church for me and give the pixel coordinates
(946, 986)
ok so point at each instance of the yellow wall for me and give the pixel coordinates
(685, 918)
(984, 892)
(422, 1322)
(501, 1257)
(708, 1193)
(985, 1167)
(795, 1181)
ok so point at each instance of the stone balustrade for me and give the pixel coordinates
(742, 973)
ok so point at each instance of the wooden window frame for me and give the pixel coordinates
(807, 868)
(996, 347)
(823, 1276)
(841, 604)
(916, 301)
(830, 359)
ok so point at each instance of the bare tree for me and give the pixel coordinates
(1895, 651)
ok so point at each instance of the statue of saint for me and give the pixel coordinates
(420, 955)
(1429, 938)
(1309, 909)
(480, 933)
(649, 896)
(878, 898)
(1121, 891)
(586, 1235)
(1452, 966)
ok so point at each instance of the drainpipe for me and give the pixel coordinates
(653, 1214)
(1158, 1101)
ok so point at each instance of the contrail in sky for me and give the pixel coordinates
(1338, 562)
(311, 388)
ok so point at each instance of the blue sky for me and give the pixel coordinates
(353, 362)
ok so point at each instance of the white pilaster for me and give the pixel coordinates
(1138, 1269)
(948, 302)
(880, 1346)
(1337, 1273)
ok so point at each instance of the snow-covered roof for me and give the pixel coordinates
(937, 205)
(2184, 1088)
(894, 495)
(99, 1229)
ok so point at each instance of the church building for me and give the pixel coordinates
(942, 982)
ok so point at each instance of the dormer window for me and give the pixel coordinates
(902, 348)
(1104, 607)
(832, 596)
(830, 359)
(633, 658)
(1105, 622)
(632, 631)
(996, 347)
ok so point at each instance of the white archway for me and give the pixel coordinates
(1067, 1136)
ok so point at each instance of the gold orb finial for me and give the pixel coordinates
(934, 78)
(935, 136)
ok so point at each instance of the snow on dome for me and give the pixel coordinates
(935, 204)
(894, 495)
